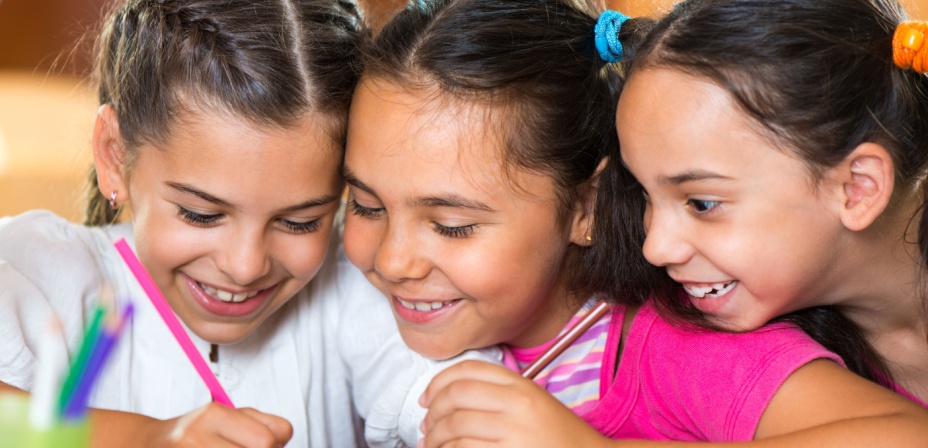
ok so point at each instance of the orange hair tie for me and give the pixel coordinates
(910, 51)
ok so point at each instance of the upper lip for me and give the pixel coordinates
(235, 290)
(703, 283)
(420, 299)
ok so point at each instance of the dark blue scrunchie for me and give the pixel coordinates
(607, 35)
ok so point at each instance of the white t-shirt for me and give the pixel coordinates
(325, 360)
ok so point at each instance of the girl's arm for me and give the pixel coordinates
(211, 425)
(821, 404)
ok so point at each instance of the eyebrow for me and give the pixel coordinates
(450, 200)
(223, 203)
(691, 176)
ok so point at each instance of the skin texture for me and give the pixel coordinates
(230, 205)
(724, 204)
(434, 217)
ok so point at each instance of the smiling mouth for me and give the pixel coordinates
(226, 296)
(711, 290)
(423, 306)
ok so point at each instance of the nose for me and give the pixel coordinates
(246, 257)
(400, 255)
(666, 242)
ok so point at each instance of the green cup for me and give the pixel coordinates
(16, 432)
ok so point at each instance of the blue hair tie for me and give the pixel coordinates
(607, 35)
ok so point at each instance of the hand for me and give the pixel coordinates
(215, 425)
(480, 404)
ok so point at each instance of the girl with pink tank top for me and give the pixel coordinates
(477, 144)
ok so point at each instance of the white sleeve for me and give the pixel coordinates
(387, 377)
(44, 272)
(395, 416)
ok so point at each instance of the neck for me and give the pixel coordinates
(882, 288)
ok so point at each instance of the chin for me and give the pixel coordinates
(222, 334)
(431, 349)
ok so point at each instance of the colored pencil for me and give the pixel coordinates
(76, 406)
(79, 366)
(51, 366)
(564, 340)
(167, 314)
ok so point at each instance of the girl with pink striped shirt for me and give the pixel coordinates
(477, 140)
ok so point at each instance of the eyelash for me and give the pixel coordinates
(364, 212)
(455, 232)
(445, 231)
(197, 219)
(201, 220)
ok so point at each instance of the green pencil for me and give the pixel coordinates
(79, 366)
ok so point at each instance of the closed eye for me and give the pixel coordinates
(455, 232)
(364, 212)
(301, 227)
(198, 219)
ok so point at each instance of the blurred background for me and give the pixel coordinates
(47, 104)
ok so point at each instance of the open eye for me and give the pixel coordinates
(702, 206)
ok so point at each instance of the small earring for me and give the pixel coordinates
(588, 237)
(113, 200)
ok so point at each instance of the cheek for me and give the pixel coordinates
(361, 241)
(302, 256)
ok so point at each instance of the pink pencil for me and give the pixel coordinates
(564, 341)
(167, 314)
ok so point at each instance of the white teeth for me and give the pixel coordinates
(713, 290)
(421, 306)
(227, 296)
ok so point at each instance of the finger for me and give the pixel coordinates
(471, 369)
(237, 427)
(466, 428)
(199, 428)
(279, 426)
(474, 395)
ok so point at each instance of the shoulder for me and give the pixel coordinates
(58, 258)
(688, 342)
(41, 233)
(729, 377)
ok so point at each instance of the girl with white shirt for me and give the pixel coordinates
(220, 135)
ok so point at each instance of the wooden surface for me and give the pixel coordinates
(47, 111)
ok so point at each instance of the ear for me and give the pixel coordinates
(581, 223)
(109, 154)
(866, 178)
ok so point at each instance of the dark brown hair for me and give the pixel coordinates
(270, 62)
(818, 77)
(535, 59)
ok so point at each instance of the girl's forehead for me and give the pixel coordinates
(434, 140)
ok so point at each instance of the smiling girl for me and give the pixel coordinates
(475, 147)
(220, 132)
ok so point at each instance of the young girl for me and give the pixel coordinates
(476, 138)
(800, 184)
(220, 130)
